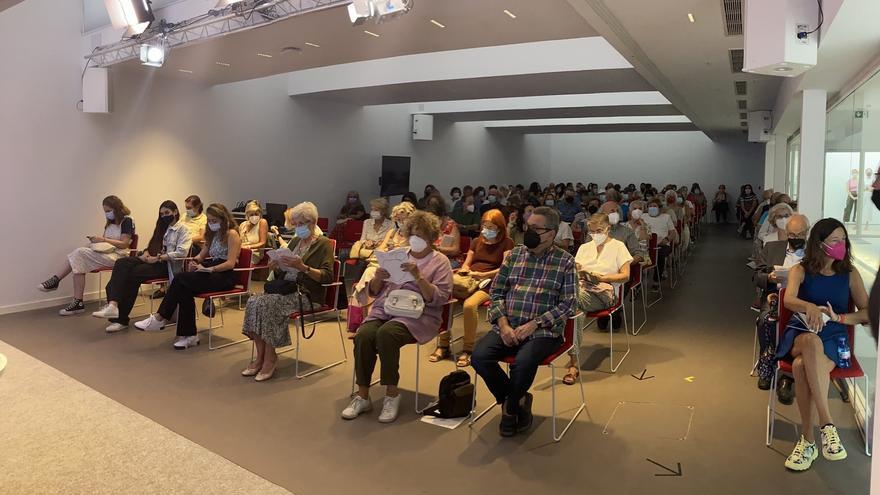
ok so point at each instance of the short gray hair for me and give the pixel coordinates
(550, 215)
(306, 210)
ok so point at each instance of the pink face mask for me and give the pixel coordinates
(835, 251)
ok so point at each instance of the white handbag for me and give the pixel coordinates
(404, 303)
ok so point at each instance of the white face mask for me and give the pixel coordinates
(110, 215)
(614, 218)
(417, 244)
(214, 226)
(653, 211)
(469, 208)
(549, 202)
(254, 219)
(636, 214)
(599, 238)
(781, 222)
(191, 213)
(376, 215)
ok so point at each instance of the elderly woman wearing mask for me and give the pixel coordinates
(773, 228)
(468, 216)
(267, 316)
(375, 230)
(383, 334)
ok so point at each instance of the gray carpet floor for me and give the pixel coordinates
(700, 409)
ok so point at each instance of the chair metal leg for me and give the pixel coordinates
(299, 346)
(611, 334)
(577, 413)
(654, 271)
(771, 409)
(632, 298)
(866, 425)
(476, 417)
(755, 355)
(211, 329)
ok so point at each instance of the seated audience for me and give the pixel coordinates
(569, 206)
(102, 253)
(564, 236)
(423, 201)
(698, 198)
(493, 201)
(533, 295)
(660, 224)
(375, 230)
(638, 225)
(458, 204)
(721, 204)
(454, 196)
(254, 231)
(267, 316)
(195, 220)
(383, 334)
(773, 228)
(479, 197)
(622, 232)
(517, 224)
(449, 241)
(162, 258)
(210, 271)
(820, 289)
(472, 282)
(603, 266)
(468, 218)
(353, 209)
(745, 208)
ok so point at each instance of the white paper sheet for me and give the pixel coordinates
(277, 254)
(391, 261)
(448, 423)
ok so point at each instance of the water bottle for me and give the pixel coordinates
(843, 353)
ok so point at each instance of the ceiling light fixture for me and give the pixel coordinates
(222, 64)
(264, 55)
(439, 25)
(185, 71)
(783, 69)
(510, 14)
(371, 33)
(313, 45)
(690, 17)
(152, 54)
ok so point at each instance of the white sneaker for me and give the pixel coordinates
(108, 311)
(186, 342)
(390, 407)
(832, 449)
(116, 327)
(151, 324)
(803, 456)
(358, 406)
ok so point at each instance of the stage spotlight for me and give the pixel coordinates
(153, 54)
(136, 15)
(361, 10)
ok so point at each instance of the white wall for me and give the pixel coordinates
(656, 157)
(167, 139)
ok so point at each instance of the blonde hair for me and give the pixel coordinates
(253, 206)
(598, 220)
(381, 204)
(405, 208)
(305, 210)
(777, 211)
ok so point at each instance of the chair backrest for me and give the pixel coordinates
(331, 297)
(243, 277)
(348, 233)
(652, 248)
(568, 333)
(323, 224)
(132, 248)
(635, 273)
(446, 315)
(464, 244)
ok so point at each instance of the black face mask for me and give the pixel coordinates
(592, 209)
(796, 244)
(166, 220)
(531, 239)
(569, 199)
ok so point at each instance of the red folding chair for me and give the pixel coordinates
(323, 224)
(854, 371)
(464, 244)
(568, 344)
(608, 313)
(132, 251)
(347, 234)
(319, 315)
(654, 252)
(631, 287)
(243, 269)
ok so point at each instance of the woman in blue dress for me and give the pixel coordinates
(820, 288)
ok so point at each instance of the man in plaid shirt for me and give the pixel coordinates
(533, 295)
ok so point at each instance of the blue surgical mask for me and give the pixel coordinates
(490, 234)
(110, 216)
(303, 231)
(214, 226)
(653, 211)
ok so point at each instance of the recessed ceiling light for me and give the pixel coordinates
(690, 17)
(185, 71)
(223, 64)
(783, 69)
(371, 33)
(510, 14)
(313, 45)
(264, 55)
(439, 25)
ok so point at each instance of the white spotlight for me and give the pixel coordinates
(153, 53)
(386, 9)
(136, 15)
(360, 10)
(224, 3)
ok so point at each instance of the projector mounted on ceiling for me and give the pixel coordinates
(781, 36)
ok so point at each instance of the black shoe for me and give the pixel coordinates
(617, 321)
(840, 385)
(764, 383)
(524, 416)
(602, 323)
(508, 424)
(74, 308)
(49, 285)
(785, 390)
(158, 294)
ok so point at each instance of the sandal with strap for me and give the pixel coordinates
(464, 360)
(439, 354)
(571, 378)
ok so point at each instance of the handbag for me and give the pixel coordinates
(455, 397)
(404, 303)
(463, 286)
(280, 286)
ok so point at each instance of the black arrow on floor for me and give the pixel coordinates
(672, 473)
(643, 377)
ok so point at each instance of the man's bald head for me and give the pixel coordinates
(797, 226)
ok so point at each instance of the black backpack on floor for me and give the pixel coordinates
(455, 397)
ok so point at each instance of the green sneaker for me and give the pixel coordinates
(803, 456)
(832, 449)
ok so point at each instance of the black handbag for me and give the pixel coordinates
(280, 286)
(455, 397)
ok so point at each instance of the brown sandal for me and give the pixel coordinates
(571, 378)
(464, 360)
(439, 354)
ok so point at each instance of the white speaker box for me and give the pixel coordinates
(759, 126)
(423, 127)
(96, 90)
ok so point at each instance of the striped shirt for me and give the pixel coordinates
(530, 287)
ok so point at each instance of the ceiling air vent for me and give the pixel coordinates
(743, 105)
(736, 60)
(743, 124)
(740, 88)
(733, 17)
(743, 116)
